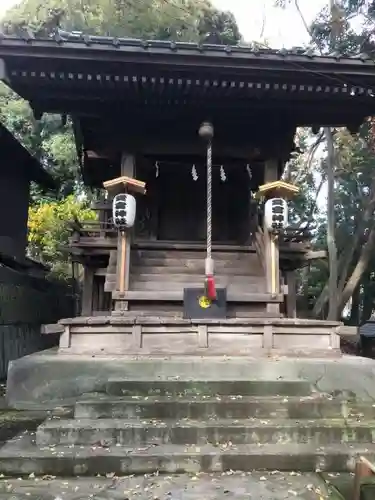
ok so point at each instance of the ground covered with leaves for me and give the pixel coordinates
(250, 486)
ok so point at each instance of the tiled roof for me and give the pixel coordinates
(78, 39)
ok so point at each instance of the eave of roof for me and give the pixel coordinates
(81, 46)
(84, 75)
(33, 166)
(137, 68)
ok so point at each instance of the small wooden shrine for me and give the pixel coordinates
(137, 108)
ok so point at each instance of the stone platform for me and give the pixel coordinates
(48, 379)
(191, 414)
(172, 426)
(133, 333)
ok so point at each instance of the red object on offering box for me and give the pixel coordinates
(210, 288)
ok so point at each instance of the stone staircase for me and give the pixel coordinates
(161, 275)
(142, 426)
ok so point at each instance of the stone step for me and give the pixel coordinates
(186, 269)
(161, 295)
(169, 277)
(252, 267)
(193, 254)
(20, 457)
(135, 433)
(167, 281)
(168, 285)
(224, 407)
(176, 387)
(219, 486)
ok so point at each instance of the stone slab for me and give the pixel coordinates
(21, 457)
(152, 387)
(157, 319)
(111, 432)
(48, 379)
(237, 407)
(240, 486)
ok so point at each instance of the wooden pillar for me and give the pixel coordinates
(291, 298)
(76, 289)
(271, 246)
(88, 291)
(271, 168)
(124, 243)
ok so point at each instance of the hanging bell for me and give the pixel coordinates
(206, 131)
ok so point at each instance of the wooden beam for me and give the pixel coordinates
(88, 291)
(121, 252)
(123, 243)
(271, 248)
(271, 170)
(348, 331)
(98, 155)
(52, 329)
(315, 255)
(291, 298)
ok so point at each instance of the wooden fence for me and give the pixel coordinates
(26, 303)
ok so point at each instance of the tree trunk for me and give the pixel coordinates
(347, 256)
(359, 269)
(331, 241)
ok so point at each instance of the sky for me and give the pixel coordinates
(281, 28)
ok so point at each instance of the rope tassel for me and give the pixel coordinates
(209, 283)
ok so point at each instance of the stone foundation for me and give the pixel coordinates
(137, 334)
(49, 379)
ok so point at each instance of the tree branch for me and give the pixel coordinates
(263, 27)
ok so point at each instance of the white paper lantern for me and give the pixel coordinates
(123, 211)
(276, 214)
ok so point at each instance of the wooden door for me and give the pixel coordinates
(182, 209)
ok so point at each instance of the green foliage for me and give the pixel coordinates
(218, 27)
(185, 20)
(49, 230)
(49, 139)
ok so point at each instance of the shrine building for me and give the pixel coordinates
(196, 138)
